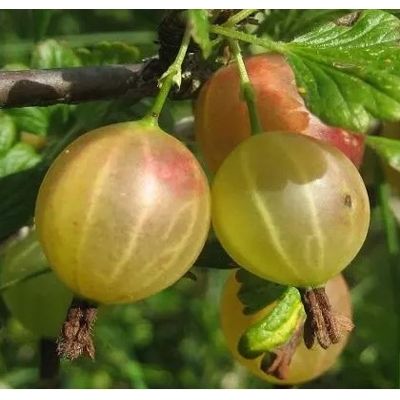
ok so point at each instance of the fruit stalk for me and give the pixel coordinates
(265, 41)
(240, 16)
(171, 76)
(246, 89)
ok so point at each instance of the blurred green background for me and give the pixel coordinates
(171, 340)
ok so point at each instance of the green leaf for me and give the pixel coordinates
(5, 286)
(94, 114)
(368, 274)
(108, 53)
(41, 20)
(256, 293)
(349, 70)
(15, 67)
(17, 202)
(388, 149)
(20, 157)
(286, 24)
(275, 328)
(53, 54)
(4, 313)
(60, 119)
(199, 25)
(31, 119)
(8, 133)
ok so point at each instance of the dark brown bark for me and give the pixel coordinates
(71, 85)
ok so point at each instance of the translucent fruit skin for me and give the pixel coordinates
(41, 303)
(222, 120)
(290, 208)
(123, 212)
(306, 364)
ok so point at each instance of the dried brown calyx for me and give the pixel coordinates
(76, 336)
(322, 323)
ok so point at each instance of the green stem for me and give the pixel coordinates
(167, 80)
(230, 33)
(388, 218)
(247, 89)
(24, 279)
(240, 16)
(392, 238)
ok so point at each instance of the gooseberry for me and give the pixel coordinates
(290, 208)
(41, 302)
(306, 364)
(222, 119)
(123, 212)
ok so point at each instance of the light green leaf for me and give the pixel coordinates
(388, 149)
(108, 53)
(275, 328)
(31, 119)
(8, 133)
(20, 157)
(199, 25)
(53, 54)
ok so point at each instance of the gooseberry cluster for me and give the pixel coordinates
(125, 210)
(288, 205)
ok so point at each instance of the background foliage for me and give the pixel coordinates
(171, 340)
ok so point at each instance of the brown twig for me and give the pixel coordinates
(71, 85)
(134, 81)
(82, 84)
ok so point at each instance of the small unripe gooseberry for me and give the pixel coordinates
(40, 303)
(123, 212)
(306, 364)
